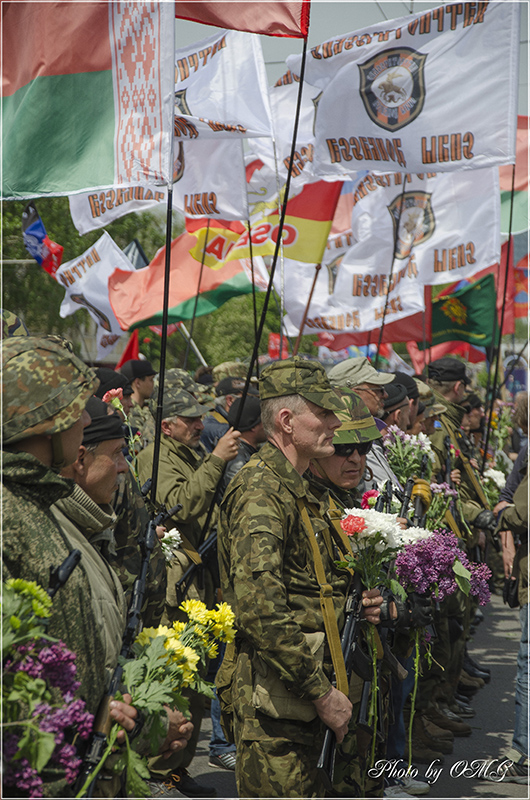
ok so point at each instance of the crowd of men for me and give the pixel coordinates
(261, 475)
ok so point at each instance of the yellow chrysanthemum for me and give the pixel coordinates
(195, 610)
(178, 627)
(145, 636)
(41, 602)
(213, 650)
(223, 618)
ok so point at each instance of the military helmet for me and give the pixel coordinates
(45, 387)
(358, 425)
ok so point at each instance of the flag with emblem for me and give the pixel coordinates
(436, 90)
(467, 315)
(87, 95)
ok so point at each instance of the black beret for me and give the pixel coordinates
(103, 426)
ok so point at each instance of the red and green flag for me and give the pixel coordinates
(136, 297)
(87, 95)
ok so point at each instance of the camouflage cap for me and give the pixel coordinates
(179, 403)
(229, 368)
(298, 376)
(177, 378)
(358, 425)
(45, 387)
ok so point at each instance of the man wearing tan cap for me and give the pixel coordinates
(274, 536)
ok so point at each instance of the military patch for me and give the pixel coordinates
(413, 220)
(455, 310)
(392, 87)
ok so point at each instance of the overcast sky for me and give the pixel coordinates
(329, 18)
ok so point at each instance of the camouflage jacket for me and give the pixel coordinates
(184, 477)
(82, 520)
(126, 556)
(32, 543)
(142, 419)
(267, 572)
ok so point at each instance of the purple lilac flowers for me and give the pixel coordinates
(427, 567)
(54, 664)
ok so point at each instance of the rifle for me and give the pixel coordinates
(102, 723)
(207, 552)
(419, 511)
(354, 657)
(407, 495)
(59, 575)
(384, 500)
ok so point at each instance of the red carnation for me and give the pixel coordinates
(352, 525)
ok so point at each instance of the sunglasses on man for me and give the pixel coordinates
(345, 450)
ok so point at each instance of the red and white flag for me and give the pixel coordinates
(271, 17)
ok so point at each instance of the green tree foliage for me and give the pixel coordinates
(28, 290)
(225, 335)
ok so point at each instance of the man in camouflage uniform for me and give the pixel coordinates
(186, 478)
(44, 393)
(268, 577)
(141, 376)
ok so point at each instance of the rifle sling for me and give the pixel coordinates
(467, 466)
(326, 604)
(187, 547)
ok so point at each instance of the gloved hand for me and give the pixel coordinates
(485, 520)
(415, 612)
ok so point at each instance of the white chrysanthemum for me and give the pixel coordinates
(171, 543)
(377, 522)
(498, 477)
(412, 535)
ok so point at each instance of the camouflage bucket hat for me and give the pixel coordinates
(178, 403)
(45, 387)
(12, 325)
(358, 425)
(297, 376)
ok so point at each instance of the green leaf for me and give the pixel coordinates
(137, 775)
(462, 583)
(397, 589)
(45, 746)
(459, 569)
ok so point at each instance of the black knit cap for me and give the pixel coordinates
(409, 383)
(110, 379)
(103, 426)
(397, 398)
(250, 416)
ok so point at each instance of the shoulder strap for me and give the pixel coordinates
(467, 466)
(326, 603)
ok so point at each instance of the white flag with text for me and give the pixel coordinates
(436, 90)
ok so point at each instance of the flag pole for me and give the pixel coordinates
(187, 338)
(254, 306)
(501, 325)
(396, 238)
(318, 267)
(186, 354)
(254, 356)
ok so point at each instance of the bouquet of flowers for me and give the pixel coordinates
(171, 543)
(436, 566)
(166, 661)
(41, 718)
(442, 496)
(502, 425)
(376, 538)
(405, 452)
(493, 481)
